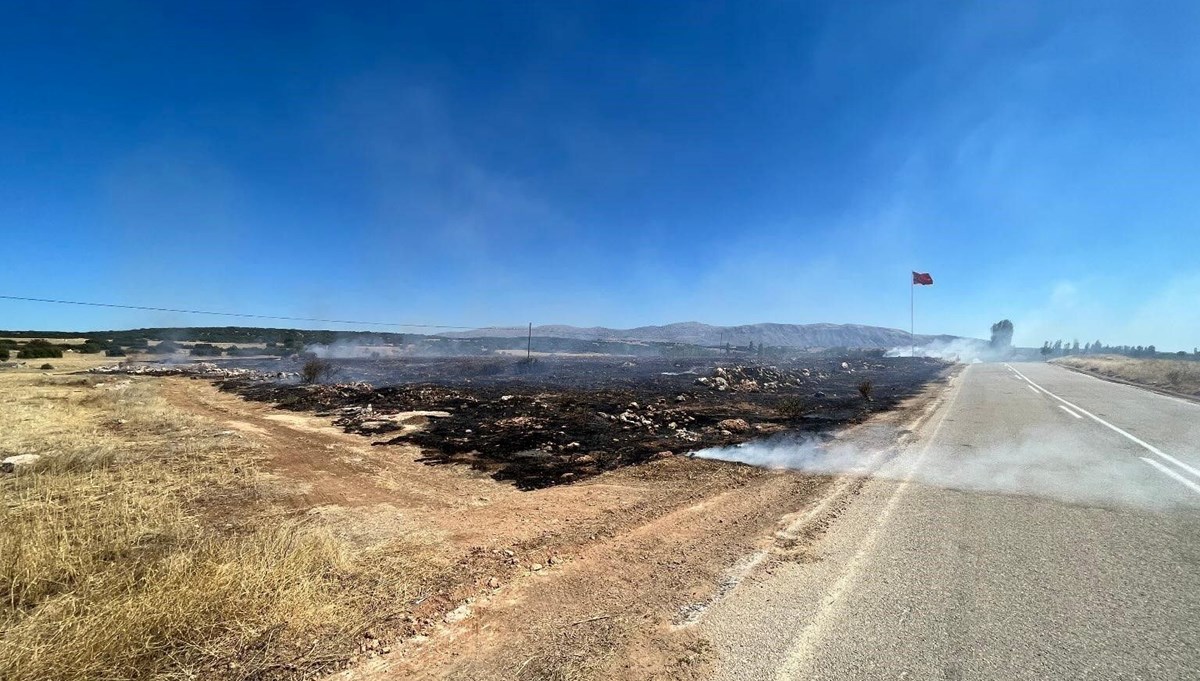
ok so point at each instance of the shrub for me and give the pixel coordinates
(865, 389)
(317, 370)
(165, 348)
(47, 367)
(205, 350)
(792, 408)
(39, 349)
(4, 354)
(114, 352)
(88, 348)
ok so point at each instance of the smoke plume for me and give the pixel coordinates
(1041, 462)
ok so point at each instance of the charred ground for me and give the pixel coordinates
(558, 420)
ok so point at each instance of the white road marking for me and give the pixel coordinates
(1035, 390)
(1069, 411)
(1132, 438)
(800, 653)
(1195, 488)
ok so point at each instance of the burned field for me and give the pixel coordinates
(556, 421)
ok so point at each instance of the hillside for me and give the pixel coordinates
(696, 333)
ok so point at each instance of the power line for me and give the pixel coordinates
(247, 315)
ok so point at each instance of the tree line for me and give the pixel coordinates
(1060, 348)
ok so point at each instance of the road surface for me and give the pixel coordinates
(1041, 524)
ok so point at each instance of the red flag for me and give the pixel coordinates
(922, 278)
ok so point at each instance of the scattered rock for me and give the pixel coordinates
(734, 425)
(493, 583)
(12, 464)
(535, 567)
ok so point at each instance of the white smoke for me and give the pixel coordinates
(1041, 462)
(358, 348)
(962, 350)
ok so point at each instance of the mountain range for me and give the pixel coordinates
(696, 333)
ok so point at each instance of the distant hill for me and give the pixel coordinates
(695, 333)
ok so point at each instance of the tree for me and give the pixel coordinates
(1046, 349)
(39, 348)
(1075, 347)
(1058, 347)
(1002, 333)
(317, 370)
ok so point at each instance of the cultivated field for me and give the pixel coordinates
(1175, 375)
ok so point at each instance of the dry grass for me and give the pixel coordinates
(1181, 376)
(140, 546)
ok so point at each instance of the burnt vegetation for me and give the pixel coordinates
(562, 420)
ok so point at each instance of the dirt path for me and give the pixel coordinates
(595, 579)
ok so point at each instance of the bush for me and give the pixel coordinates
(114, 352)
(88, 348)
(4, 354)
(317, 370)
(47, 367)
(39, 349)
(792, 408)
(205, 350)
(865, 389)
(165, 348)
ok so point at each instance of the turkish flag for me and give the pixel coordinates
(922, 278)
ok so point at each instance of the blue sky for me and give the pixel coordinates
(607, 164)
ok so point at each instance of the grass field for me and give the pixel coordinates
(1181, 376)
(144, 543)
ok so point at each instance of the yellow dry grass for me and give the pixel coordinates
(1177, 375)
(139, 546)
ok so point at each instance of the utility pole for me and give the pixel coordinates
(529, 344)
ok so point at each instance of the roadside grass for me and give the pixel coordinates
(1181, 376)
(140, 546)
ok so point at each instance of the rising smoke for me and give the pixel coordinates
(963, 350)
(1041, 462)
(355, 348)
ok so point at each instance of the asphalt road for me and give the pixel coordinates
(1041, 524)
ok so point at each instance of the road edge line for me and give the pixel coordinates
(1130, 436)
